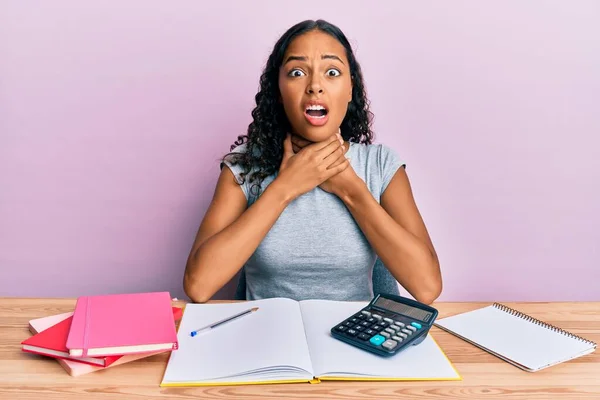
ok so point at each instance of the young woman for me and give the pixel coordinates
(306, 202)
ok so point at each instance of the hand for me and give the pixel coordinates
(311, 166)
(338, 183)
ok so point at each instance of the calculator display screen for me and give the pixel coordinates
(403, 309)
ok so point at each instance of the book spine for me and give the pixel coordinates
(75, 337)
(86, 326)
(543, 324)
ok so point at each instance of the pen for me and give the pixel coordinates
(223, 321)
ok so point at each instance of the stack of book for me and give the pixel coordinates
(107, 330)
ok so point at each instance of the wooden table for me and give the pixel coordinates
(28, 376)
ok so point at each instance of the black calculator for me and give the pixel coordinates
(387, 325)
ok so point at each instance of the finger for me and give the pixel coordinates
(335, 156)
(339, 135)
(287, 147)
(338, 168)
(332, 145)
(337, 161)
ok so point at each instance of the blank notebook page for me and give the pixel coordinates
(516, 336)
(332, 357)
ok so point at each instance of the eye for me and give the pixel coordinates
(295, 72)
(333, 72)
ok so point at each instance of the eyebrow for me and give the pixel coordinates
(323, 57)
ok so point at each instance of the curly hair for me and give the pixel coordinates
(267, 131)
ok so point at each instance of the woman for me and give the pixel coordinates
(307, 202)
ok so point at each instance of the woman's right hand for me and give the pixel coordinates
(312, 165)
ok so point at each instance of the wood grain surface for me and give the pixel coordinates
(28, 376)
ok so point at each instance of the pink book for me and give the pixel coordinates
(120, 324)
(76, 368)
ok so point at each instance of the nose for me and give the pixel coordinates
(314, 86)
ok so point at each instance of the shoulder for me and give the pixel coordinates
(234, 162)
(379, 161)
(243, 170)
(239, 149)
(377, 152)
(378, 157)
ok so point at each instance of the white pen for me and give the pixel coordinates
(223, 321)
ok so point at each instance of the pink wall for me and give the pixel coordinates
(112, 120)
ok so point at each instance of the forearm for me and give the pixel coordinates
(221, 256)
(408, 258)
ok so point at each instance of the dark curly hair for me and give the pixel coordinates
(267, 131)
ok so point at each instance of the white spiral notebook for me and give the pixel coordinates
(515, 337)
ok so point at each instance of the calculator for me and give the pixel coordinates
(387, 325)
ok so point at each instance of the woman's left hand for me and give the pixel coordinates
(339, 184)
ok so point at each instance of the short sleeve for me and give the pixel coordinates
(389, 163)
(237, 169)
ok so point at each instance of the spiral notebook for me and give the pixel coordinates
(515, 337)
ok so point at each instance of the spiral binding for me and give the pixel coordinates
(536, 321)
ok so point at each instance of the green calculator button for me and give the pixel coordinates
(377, 340)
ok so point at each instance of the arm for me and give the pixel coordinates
(228, 235)
(396, 231)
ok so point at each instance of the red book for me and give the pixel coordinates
(52, 342)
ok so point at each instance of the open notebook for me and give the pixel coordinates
(288, 341)
(517, 338)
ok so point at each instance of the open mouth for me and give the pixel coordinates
(316, 111)
(316, 114)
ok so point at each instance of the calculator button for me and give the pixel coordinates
(370, 332)
(371, 319)
(359, 328)
(385, 334)
(341, 328)
(363, 336)
(397, 339)
(365, 324)
(395, 327)
(416, 325)
(390, 331)
(380, 326)
(353, 319)
(412, 328)
(400, 324)
(377, 316)
(348, 323)
(351, 332)
(406, 331)
(388, 320)
(377, 340)
(403, 335)
(389, 344)
(360, 316)
(363, 312)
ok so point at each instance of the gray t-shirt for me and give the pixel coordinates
(315, 249)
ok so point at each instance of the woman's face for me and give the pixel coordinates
(315, 85)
